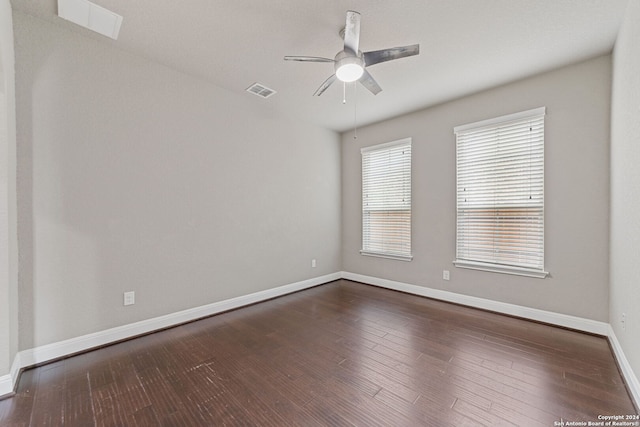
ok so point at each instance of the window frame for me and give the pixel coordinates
(366, 249)
(501, 211)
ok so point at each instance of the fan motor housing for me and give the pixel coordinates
(348, 54)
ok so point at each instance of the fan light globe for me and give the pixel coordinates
(349, 68)
(349, 72)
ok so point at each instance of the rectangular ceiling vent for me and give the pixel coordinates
(260, 90)
(89, 15)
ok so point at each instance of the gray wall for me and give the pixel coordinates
(133, 176)
(8, 223)
(577, 98)
(625, 187)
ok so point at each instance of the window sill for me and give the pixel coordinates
(388, 256)
(505, 269)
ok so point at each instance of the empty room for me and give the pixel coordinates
(316, 213)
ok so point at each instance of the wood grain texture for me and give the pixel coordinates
(339, 354)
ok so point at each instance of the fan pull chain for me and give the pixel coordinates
(355, 110)
(344, 92)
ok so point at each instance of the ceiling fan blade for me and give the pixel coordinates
(368, 81)
(325, 85)
(377, 56)
(307, 59)
(352, 32)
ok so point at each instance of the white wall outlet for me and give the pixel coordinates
(623, 321)
(129, 298)
(313, 263)
(445, 274)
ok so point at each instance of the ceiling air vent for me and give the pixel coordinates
(260, 90)
(91, 16)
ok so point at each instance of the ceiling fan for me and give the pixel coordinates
(350, 63)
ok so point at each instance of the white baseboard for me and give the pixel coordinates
(6, 384)
(45, 353)
(564, 320)
(633, 384)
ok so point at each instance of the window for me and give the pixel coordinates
(386, 200)
(500, 194)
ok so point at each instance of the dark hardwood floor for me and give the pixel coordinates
(338, 354)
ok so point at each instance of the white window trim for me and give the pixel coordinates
(497, 268)
(397, 257)
(491, 267)
(387, 256)
(541, 111)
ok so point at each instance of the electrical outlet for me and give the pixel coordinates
(313, 263)
(623, 320)
(129, 298)
(445, 274)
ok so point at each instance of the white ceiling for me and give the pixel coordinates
(465, 46)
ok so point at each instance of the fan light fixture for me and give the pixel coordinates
(349, 71)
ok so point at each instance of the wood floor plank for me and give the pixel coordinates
(339, 354)
(480, 415)
(107, 407)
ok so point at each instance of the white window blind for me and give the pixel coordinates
(500, 194)
(386, 200)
